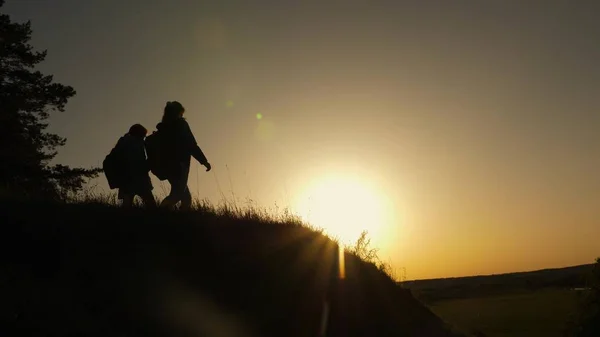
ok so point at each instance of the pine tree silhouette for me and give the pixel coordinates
(27, 98)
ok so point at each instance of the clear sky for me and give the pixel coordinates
(463, 134)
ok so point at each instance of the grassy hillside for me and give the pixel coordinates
(543, 313)
(95, 270)
(526, 304)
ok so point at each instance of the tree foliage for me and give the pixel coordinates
(27, 98)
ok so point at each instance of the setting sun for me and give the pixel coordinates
(343, 207)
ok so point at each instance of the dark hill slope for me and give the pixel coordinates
(94, 270)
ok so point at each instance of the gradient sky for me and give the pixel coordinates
(477, 122)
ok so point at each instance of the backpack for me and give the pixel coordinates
(158, 155)
(113, 168)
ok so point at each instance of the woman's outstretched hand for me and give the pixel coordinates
(208, 167)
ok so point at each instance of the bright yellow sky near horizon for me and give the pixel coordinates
(462, 136)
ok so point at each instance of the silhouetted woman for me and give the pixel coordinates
(180, 139)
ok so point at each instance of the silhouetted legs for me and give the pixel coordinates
(184, 196)
(179, 189)
(147, 199)
(127, 200)
(179, 192)
(186, 200)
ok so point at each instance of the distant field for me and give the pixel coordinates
(540, 313)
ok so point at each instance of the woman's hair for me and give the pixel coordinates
(138, 130)
(172, 111)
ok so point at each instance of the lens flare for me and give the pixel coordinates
(341, 262)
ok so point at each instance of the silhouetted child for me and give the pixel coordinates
(136, 180)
